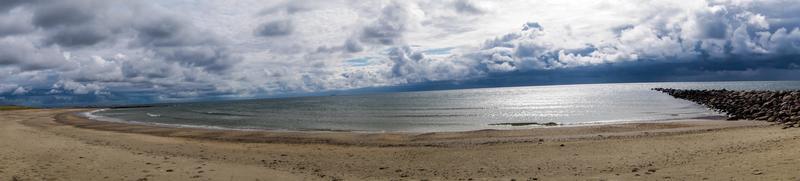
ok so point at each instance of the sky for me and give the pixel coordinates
(85, 52)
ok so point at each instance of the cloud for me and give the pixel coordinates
(169, 37)
(467, 6)
(89, 51)
(14, 24)
(532, 26)
(413, 66)
(353, 45)
(291, 7)
(176, 40)
(211, 58)
(78, 88)
(275, 28)
(73, 24)
(716, 33)
(20, 91)
(54, 46)
(388, 29)
(11, 4)
(169, 31)
(62, 13)
(26, 56)
(7, 88)
(78, 36)
(13, 89)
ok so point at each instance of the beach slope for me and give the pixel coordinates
(34, 146)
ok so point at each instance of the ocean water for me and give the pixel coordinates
(448, 110)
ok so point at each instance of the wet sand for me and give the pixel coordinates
(34, 145)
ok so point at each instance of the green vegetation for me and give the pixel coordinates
(10, 108)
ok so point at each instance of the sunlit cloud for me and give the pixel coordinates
(88, 51)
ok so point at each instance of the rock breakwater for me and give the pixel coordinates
(773, 106)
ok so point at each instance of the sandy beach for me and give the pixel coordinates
(54, 144)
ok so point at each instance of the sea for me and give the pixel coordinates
(441, 111)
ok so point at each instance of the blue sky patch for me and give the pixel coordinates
(438, 51)
(360, 61)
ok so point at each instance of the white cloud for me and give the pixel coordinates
(78, 88)
(236, 48)
(20, 91)
(4, 88)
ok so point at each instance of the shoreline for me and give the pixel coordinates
(683, 150)
(89, 114)
(434, 139)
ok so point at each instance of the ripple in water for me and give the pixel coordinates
(450, 110)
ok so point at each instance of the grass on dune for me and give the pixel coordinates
(10, 108)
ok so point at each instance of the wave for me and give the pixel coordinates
(428, 115)
(93, 116)
(221, 113)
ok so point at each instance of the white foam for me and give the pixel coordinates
(91, 115)
(153, 115)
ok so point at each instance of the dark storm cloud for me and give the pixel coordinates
(149, 50)
(77, 36)
(166, 31)
(6, 5)
(781, 13)
(716, 43)
(210, 57)
(714, 25)
(77, 24)
(63, 13)
(643, 71)
(14, 24)
(146, 69)
(275, 28)
(178, 41)
(72, 23)
(352, 45)
(27, 57)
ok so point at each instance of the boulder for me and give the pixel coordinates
(773, 106)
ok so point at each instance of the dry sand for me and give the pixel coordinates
(34, 146)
